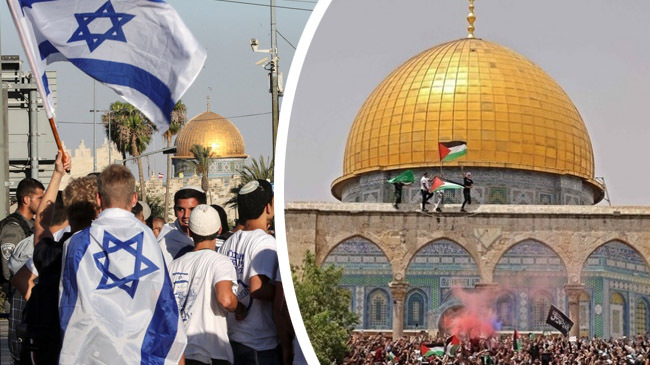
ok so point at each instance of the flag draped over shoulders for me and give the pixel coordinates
(116, 299)
(139, 48)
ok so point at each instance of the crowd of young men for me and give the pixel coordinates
(110, 290)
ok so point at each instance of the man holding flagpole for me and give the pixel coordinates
(116, 302)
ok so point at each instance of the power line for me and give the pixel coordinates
(232, 117)
(266, 5)
(286, 40)
(302, 1)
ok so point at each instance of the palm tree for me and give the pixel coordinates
(131, 131)
(202, 156)
(179, 117)
(258, 169)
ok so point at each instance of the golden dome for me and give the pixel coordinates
(210, 130)
(508, 110)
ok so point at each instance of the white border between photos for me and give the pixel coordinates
(280, 154)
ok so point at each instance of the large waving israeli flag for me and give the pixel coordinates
(139, 48)
(117, 302)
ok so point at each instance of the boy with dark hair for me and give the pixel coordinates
(254, 340)
(204, 281)
(117, 302)
(174, 238)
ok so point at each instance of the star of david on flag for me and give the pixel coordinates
(94, 40)
(107, 262)
(139, 48)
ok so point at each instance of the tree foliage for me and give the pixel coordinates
(131, 131)
(201, 163)
(178, 119)
(325, 309)
(258, 169)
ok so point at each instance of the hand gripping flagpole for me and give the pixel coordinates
(27, 46)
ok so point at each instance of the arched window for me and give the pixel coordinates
(541, 304)
(505, 310)
(616, 314)
(641, 317)
(378, 316)
(416, 309)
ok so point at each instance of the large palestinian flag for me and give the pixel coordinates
(406, 177)
(451, 150)
(435, 350)
(453, 344)
(440, 184)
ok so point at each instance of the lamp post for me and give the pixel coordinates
(110, 114)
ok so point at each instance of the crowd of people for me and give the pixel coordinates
(95, 279)
(498, 349)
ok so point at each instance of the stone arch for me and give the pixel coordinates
(616, 241)
(526, 269)
(509, 247)
(614, 265)
(365, 269)
(442, 239)
(439, 266)
(334, 243)
(415, 309)
(378, 310)
(449, 309)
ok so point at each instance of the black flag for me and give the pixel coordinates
(559, 320)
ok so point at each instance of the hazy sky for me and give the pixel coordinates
(239, 87)
(597, 50)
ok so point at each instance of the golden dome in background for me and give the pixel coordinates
(210, 130)
(508, 110)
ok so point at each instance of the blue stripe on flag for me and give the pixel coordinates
(46, 84)
(29, 3)
(124, 74)
(162, 329)
(46, 49)
(76, 250)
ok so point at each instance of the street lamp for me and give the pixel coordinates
(110, 113)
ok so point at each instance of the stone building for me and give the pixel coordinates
(533, 237)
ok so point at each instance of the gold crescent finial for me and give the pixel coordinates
(471, 17)
(208, 102)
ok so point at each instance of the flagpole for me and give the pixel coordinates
(39, 82)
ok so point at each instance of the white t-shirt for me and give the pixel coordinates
(172, 239)
(252, 253)
(425, 184)
(194, 276)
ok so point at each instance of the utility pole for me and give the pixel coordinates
(274, 65)
(4, 153)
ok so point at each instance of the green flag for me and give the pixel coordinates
(406, 177)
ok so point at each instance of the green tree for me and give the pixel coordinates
(131, 131)
(179, 117)
(325, 309)
(201, 163)
(258, 169)
(155, 203)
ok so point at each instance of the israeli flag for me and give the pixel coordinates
(139, 48)
(117, 303)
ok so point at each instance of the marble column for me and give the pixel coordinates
(573, 291)
(398, 290)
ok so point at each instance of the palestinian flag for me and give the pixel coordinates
(406, 177)
(453, 344)
(516, 341)
(426, 351)
(451, 150)
(440, 184)
(391, 357)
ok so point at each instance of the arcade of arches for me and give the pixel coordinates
(402, 268)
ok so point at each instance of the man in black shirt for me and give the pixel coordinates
(467, 183)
